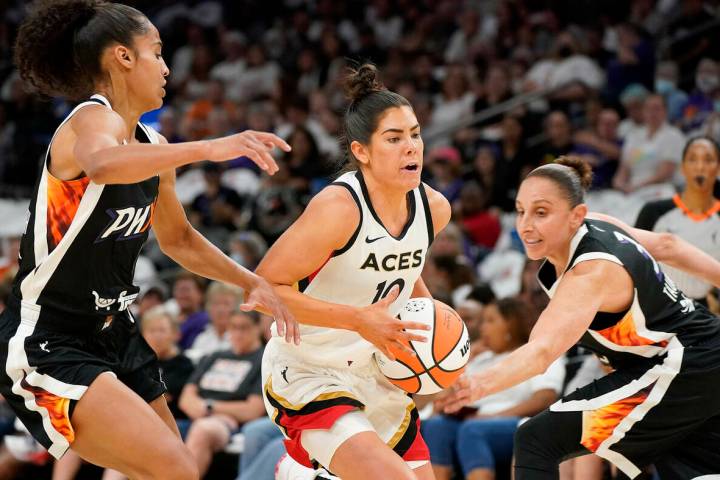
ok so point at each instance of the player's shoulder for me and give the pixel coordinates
(97, 118)
(336, 202)
(439, 206)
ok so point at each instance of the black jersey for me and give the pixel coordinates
(702, 230)
(81, 243)
(660, 316)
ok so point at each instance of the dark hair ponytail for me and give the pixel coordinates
(571, 174)
(59, 46)
(368, 100)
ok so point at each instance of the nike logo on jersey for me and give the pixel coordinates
(392, 262)
(371, 240)
(123, 301)
(127, 223)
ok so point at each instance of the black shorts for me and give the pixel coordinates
(47, 371)
(666, 412)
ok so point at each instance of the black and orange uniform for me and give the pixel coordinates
(68, 320)
(700, 229)
(661, 404)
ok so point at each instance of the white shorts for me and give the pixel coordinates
(318, 408)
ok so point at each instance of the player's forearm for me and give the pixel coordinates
(198, 255)
(531, 359)
(678, 253)
(137, 162)
(311, 311)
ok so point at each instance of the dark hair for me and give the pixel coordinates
(196, 279)
(59, 46)
(571, 173)
(706, 138)
(252, 315)
(368, 100)
(515, 313)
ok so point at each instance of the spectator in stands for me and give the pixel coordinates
(195, 123)
(186, 304)
(304, 161)
(632, 99)
(221, 300)
(650, 154)
(634, 61)
(693, 214)
(154, 296)
(169, 127)
(444, 165)
(261, 77)
(454, 103)
(601, 147)
(701, 103)
(470, 310)
(666, 84)
(264, 446)
(232, 67)
(559, 138)
(277, 204)
(482, 436)
(468, 39)
(224, 391)
(247, 248)
(162, 333)
(197, 83)
(218, 207)
(481, 225)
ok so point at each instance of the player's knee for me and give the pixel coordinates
(178, 466)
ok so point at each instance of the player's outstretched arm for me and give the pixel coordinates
(181, 242)
(100, 153)
(671, 250)
(580, 294)
(327, 225)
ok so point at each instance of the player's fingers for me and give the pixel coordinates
(413, 325)
(274, 140)
(249, 305)
(413, 337)
(404, 347)
(388, 353)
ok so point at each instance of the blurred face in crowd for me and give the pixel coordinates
(497, 83)
(545, 221)
(558, 128)
(188, 295)
(512, 129)
(219, 308)
(654, 113)
(448, 242)
(471, 313)
(700, 167)
(244, 333)
(495, 330)
(707, 77)
(455, 84)
(607, 124)
(394, 155)
(160, 333)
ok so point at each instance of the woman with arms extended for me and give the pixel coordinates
(77, 372)
(661, 405)
(360, 239)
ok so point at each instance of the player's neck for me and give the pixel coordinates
(123, 105)
(697, 201)
(390, 205)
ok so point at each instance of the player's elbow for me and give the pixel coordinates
(667, 244)
(545, 355)
(98, 173)
(173, 242)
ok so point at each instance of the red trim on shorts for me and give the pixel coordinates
(418, 449)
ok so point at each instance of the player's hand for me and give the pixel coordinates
(262, 295)
(388, 333)
(254, 145)
(466, 390)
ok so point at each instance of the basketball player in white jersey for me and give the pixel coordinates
(75, 369)
(344, 269)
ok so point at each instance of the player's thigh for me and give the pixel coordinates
(115, 428)
(160, 406)
(364, 456)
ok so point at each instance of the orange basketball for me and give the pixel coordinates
(440, 360)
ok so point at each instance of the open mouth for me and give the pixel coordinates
(413, 167)
(700, 180)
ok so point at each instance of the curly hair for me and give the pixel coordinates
(59, 46)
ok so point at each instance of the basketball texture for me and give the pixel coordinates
(440, 360)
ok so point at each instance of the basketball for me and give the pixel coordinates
(440, 360)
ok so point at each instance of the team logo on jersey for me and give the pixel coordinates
(127, 223)
(392, 262)
(123, 300)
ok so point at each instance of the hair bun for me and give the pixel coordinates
(581, 167)
(362, 82)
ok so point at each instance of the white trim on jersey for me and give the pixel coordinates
(34, 283)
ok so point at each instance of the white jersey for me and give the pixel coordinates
(363, 272)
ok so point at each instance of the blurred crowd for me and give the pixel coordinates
(498, 86)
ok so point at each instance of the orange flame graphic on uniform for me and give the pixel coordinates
(57, 408)
(598, 425)
(63, 199)
(625, 333)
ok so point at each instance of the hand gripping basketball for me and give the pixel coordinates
(387, 333)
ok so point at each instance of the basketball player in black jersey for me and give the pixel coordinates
(76, 371)
(661, 405)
